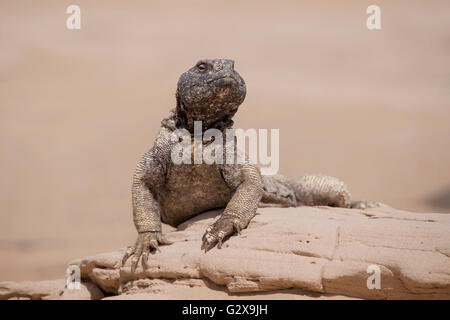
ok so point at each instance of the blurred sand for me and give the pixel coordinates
(78, 108)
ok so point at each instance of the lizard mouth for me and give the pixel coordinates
(227, 79)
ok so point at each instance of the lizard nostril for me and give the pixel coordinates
(218, 67)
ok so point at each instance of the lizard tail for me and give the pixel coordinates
(321, 190)
(309, 190)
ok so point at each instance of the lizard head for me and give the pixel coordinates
(210, 92)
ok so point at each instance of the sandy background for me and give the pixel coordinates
(78, 108)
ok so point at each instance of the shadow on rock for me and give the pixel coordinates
(440, 199)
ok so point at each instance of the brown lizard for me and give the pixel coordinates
(211, 92)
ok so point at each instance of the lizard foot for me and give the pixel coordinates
(218, 231)
(144, 243)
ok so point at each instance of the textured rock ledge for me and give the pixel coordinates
(321, 251)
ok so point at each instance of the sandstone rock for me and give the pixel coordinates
(285, 253)
(48, 290)
(315, 249)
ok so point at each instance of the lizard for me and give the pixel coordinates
(211, 92)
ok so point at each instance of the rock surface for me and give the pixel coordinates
(48, 290)
(311, 252)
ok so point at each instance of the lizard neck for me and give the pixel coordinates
(180, 119)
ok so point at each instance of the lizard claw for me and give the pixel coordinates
(145, 242)
(218, 231)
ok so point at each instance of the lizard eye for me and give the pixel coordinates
(202, 66)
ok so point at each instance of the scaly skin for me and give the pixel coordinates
(211, 92)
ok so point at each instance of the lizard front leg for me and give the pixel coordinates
(246, 180)
(146, 210)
